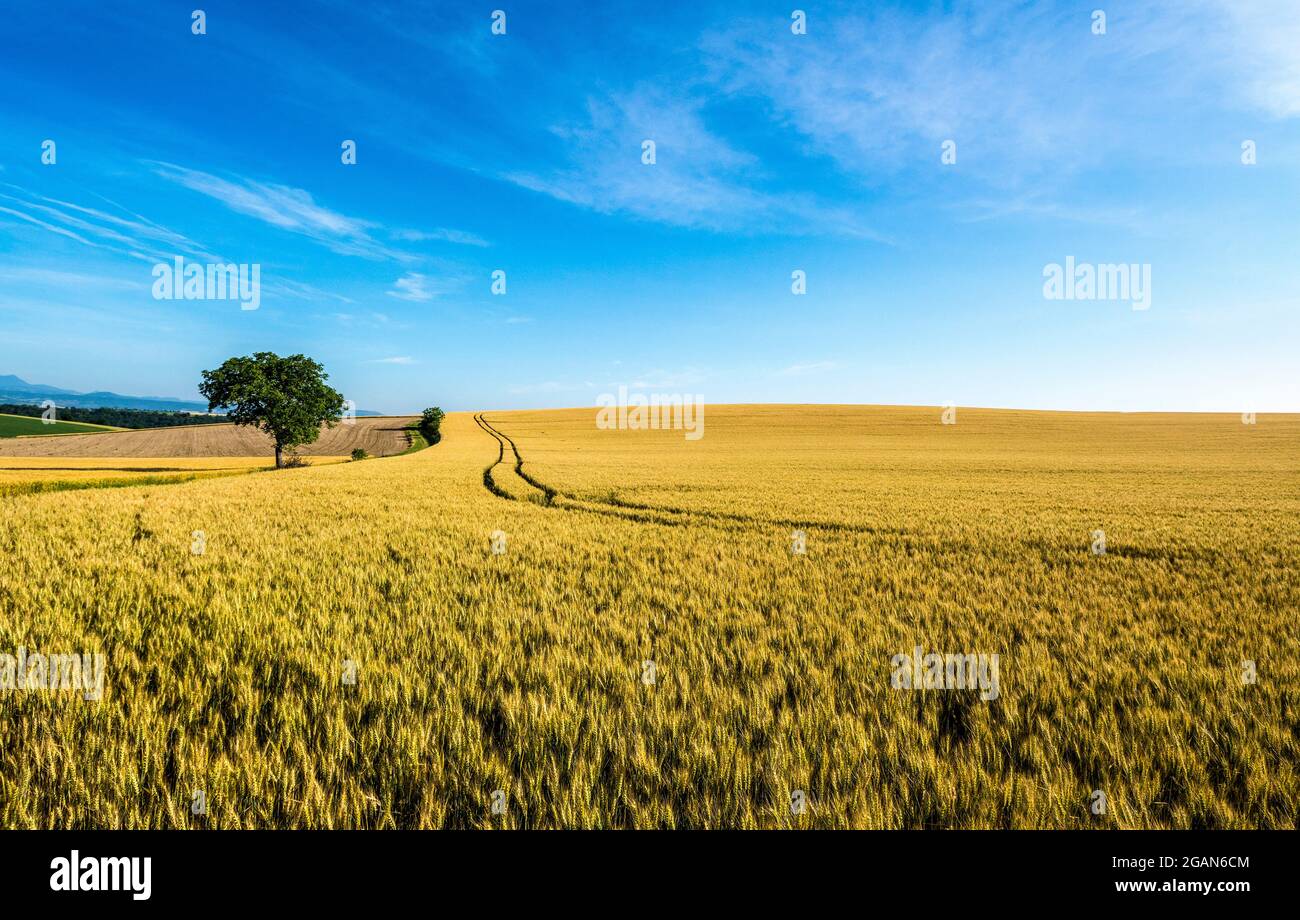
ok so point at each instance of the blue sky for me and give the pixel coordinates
(775, 152)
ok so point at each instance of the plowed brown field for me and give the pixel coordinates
(379, 437)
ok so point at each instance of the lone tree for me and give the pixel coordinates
(285, 397)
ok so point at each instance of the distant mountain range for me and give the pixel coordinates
(20, 392)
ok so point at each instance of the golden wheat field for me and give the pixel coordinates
(25, 475)
(538, 623)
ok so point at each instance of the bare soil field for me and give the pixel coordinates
(378, 436)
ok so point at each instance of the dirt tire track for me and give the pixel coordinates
(548, 494)
(488, 482)
(723, 520)
(650, 514)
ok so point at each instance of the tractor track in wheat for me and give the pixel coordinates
(646, 514)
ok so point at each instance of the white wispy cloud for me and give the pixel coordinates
(1025, 90)
(698, 178)
(1029, 95)
(400, 359)
(78, 281)
(813, 367)
(885, 87)
(1260, 44)
(44, 225)
(441, 234)
(412, 286)
(367, 320)
(291, 209)
(310, 292)
(133, 236)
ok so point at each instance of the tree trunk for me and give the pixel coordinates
(279, 457)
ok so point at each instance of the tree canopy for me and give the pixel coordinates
(285, 397)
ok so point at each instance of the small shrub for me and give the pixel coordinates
(430, 423)
(359, 453)
(294, 461)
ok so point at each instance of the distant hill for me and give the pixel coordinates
(11, 384)
(16, 390)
